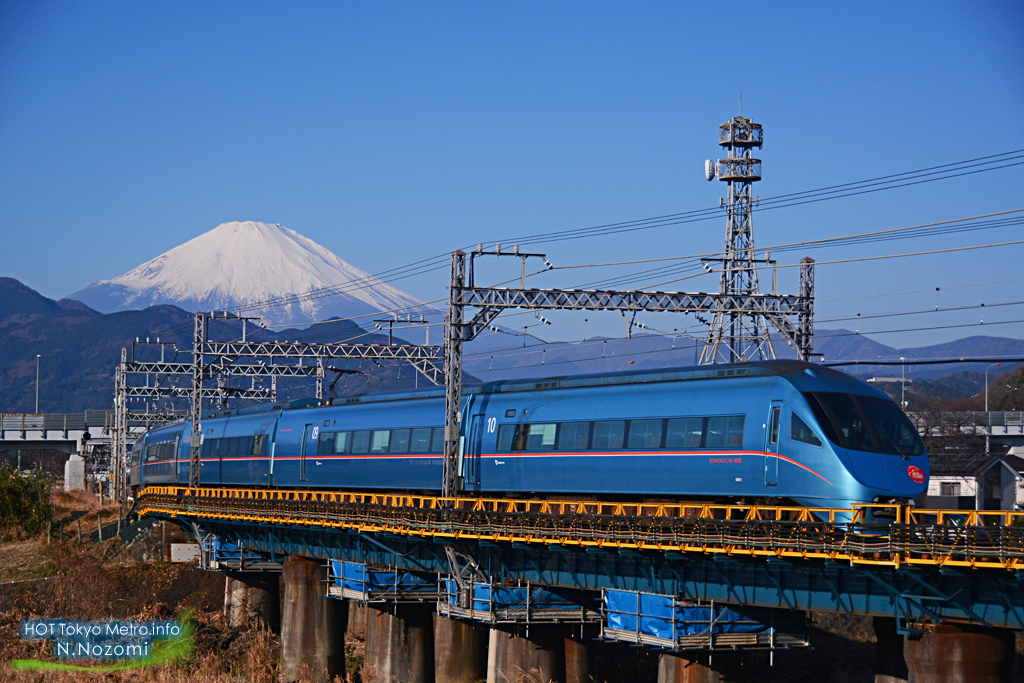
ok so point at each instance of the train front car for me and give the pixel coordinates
(157, 455)
(721, 434)
(881, 455)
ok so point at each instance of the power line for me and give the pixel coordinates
(958, 225)
(430, 264)
(918, 291)
(877, 258)
(943, 361)
(654, 351)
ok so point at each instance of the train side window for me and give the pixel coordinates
(542, 437)
(437, 445)
(716, 432)
(399, 441)
(325, 444)
(419, 442)
(734, 432)
(342, 442)
(520, 435)
(799, 431)
(609, 435)
(379, 444)
(258, 444)
(505, 434)
(573, 436)
(361, 442)
(685, 432)
(773, 431)
(645, 434)
(724, 432)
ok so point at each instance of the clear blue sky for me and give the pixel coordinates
(393, 131)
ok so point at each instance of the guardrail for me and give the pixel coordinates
(858, 535)
(90, 419)
(21, 422)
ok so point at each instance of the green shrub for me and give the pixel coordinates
(24, 501)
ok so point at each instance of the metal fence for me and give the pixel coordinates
(90, 419)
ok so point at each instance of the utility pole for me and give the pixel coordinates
(37, 382)
(988, 418)
(903, 384)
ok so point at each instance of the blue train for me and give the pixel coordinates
(765, 431)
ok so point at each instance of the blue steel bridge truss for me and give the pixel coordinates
(911, 594)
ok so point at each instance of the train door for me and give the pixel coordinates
(309, 441)
(771, 447)
(472, 459)
(176, 463)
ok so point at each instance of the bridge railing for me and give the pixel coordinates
(89, 419)
(863, 534)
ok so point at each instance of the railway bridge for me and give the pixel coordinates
(537, 583)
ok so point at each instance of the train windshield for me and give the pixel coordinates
(865, 423)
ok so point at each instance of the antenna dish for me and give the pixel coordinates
(709, 169)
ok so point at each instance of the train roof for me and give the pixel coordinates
(804, 376)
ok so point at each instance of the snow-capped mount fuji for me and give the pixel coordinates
(238, 265)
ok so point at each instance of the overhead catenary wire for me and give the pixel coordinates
(875, 258)
(957, 225)
(952, 170)
(534, 350)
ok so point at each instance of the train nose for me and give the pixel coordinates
(871, 469)
(907, 474)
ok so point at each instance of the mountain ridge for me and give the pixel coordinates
(80, 347)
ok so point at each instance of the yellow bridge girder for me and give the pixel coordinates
(953, 538)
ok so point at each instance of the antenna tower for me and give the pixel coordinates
(737, 336)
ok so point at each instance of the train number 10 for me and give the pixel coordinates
(492, 424)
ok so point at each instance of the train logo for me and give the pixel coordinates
(916, 474)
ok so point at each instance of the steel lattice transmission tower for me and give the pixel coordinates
(736, 336)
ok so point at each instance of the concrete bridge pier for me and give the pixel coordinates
(890, 667)
(458, 651)
(538, 654)
(399, 643)
(577, 666)
(960, 654)
(313, 626)
(254, 599)
(694, 667)
(356, 620)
